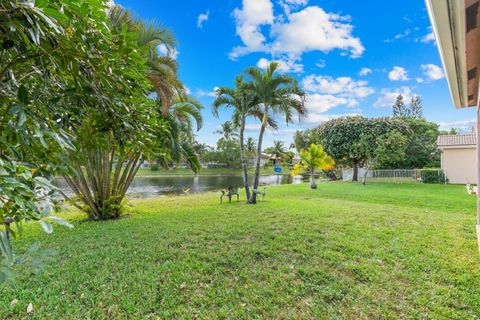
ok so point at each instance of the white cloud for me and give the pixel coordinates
(318, 103)
(321, 63)
(388, 97)
(320, 118)
(398, 74)
(428, 38)
(249, 127)
(398, 36)
(289, 5)
(342, 86)
(249, 19)
(419, 80)
(284, 65)
(310, 29)
(204, 93)
(432, 72)
(313, 29)
(202, 18)
(462, 125)
(364, 71)
(173, 53)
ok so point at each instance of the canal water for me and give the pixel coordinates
(148, 187)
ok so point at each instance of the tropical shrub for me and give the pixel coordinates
(312, 158)
(51, 63)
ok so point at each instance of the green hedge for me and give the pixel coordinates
(433, 176)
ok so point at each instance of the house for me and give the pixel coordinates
(455, 24)
(459, 157)
(267, 159)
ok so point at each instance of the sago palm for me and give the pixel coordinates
(278, 94)
(314, 157)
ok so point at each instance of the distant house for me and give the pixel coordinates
(459, 157)
(268, 159)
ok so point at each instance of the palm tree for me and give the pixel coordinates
(278, 150)
(184, 110)
(250, 145)
(161, 69)
(228, 131)
(245, 104)
(181, 115)
(314, 157)
(278, 95)
(174, 105)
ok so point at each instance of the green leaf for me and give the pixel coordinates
(22, 95)
(46, 226)
(5, 246)
(62, 222)
(45, 183)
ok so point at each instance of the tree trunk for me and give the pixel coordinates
(355, 171)
(313, 184)
(365, 172)
(244, 161)
(253, 199)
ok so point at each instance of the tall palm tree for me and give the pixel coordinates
(245, 104)
(278, 94)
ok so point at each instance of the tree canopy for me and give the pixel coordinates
(342, 137)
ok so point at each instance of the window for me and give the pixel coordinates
(472, 17)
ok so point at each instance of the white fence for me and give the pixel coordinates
(398, 175)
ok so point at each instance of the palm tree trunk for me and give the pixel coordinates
(253, 199)
(313, 184)
(244, 161)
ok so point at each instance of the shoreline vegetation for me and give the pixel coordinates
(350, 251)
(147, 172)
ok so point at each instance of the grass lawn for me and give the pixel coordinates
(147, 172)
(341, 251)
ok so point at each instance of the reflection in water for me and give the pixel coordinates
(146, 187)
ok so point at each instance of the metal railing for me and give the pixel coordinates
(399, 175)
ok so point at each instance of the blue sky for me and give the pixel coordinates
(324, 44)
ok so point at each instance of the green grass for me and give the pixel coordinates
(147, 172)
(342, 251)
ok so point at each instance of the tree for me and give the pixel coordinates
(244, 103)
(422, 148)
(124, 128)
(250, 146)
(314, 157)
(399, 108)
(301, 140)
(342, 137)
(227, 131)
(53, 60)
(382, 149)
(416, 109)
(277, 94)
(278, 150)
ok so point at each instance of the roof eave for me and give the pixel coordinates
(448, 25)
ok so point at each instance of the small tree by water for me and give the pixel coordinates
(312, 158)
